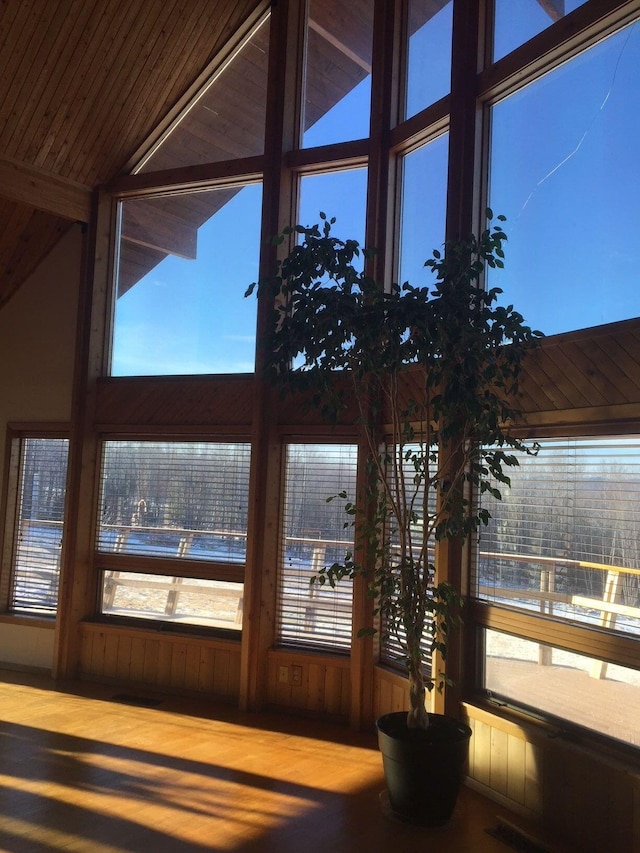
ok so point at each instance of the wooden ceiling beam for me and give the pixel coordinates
(44, 191)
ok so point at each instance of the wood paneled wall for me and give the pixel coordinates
(171, 401)
(390, 692)
(588, 376)
(295, 680)
(308, 683)
(168, 662)
(583, 797)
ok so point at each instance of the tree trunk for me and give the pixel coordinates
(417, 717)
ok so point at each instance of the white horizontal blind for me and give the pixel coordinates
(185, 499)
(566, 535)
(38, 533)
(314, 536)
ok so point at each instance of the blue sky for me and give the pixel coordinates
(564, 170)
(189, 316)
(516, 21)
(571, 195)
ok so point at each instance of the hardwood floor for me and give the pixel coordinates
(82, 769)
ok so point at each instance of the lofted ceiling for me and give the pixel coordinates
(83, 83)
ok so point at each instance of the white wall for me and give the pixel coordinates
(37, 349)
(37, 339)
(26, 646)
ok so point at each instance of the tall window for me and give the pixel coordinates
(428, 53)
(563, 148)
(172, 531)
(314, 535)
(337, 90)
(423, 206)
(564, 544)
(34, 530)
(184, 260)
(548, 119)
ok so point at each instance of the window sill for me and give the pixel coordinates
(139, 627)
(26, 619)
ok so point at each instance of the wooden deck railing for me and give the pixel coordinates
(174, 586)
(610, 605)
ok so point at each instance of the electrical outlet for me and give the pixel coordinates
(283, 674)
(296, 675)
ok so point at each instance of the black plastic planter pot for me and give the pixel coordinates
(423, 769)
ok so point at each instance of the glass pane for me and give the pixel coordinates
(183, 267)
(342, 195)
(38, 537)
(565, 172)
(603, 697)
(314, 536)
(516, 21)
(565, 538)
(227, 121)
(428, 53)
(184, 500)
(424, 200)
(183, 601)
(337, 90)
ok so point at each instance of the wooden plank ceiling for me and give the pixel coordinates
(83, 83)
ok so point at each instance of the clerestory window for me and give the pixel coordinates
(184, 262)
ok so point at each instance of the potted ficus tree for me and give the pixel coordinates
(433, 372)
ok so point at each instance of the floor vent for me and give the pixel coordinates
(138, 701)
(517, 839)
